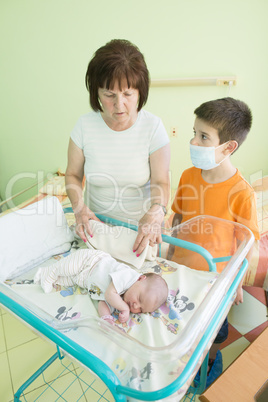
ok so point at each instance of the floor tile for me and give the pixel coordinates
(97, 387)
(258, 293)
(67, 359)
(104, 395)
(16, 332)
(233, 335)
(41, 351)
(3, 311)
(248, 315)
(5, 381)
(2, 337)
(232, 351)
(27, 358)
(254, 333)
(67, 386)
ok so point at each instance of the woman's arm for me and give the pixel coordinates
(150, 223)
(116, 301)
(73, 180)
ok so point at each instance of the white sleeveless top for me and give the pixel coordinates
(117, 166)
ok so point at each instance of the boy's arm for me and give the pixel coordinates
(239, 292)
(177, 218)
(116, 301)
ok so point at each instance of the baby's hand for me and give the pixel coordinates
(123, 316)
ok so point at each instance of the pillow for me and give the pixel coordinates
(31, 235)
(118, 242)
(55, 186)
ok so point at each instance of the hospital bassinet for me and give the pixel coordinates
(159, 364)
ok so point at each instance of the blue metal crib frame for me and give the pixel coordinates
(112, 382)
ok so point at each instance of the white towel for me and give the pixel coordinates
(31, 235)
(118, 241)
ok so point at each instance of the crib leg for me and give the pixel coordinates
(201, 386)
(203, 376)
(34, 377)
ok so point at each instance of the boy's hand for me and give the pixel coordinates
(239, 296)
(123, 316)
(170, 252)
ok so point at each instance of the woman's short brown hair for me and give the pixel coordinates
(118, 60)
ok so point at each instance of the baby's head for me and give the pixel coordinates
(147, 294)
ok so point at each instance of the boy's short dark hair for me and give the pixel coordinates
(119, 59)
(231, 117)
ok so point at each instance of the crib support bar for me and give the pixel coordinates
(34, 376)
(71, 347)
(192, 247)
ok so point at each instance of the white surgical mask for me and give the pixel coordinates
(204, 157)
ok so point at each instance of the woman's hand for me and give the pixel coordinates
(73, 180)
(149, 229)
(150, 224)
(82, 217)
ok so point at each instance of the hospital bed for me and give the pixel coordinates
(153, 356)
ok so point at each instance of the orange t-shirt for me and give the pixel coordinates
(233, 200)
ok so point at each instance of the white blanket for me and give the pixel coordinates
(31, 235)
(118, 241)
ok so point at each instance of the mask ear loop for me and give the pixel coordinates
(227, 156)
(229, 88)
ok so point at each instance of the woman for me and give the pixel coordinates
(122, 150)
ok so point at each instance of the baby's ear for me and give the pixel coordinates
(142, 278)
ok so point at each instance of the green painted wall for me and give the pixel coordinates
(46, 46)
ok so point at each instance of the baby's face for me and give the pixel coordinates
(139, 298)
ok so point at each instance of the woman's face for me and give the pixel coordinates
(119, 107)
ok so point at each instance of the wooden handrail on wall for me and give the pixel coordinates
(26, 189)
(194, 81)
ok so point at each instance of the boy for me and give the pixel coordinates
(114, 284)
(214, 186)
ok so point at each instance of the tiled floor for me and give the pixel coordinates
(246, 322)
(22, 352)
